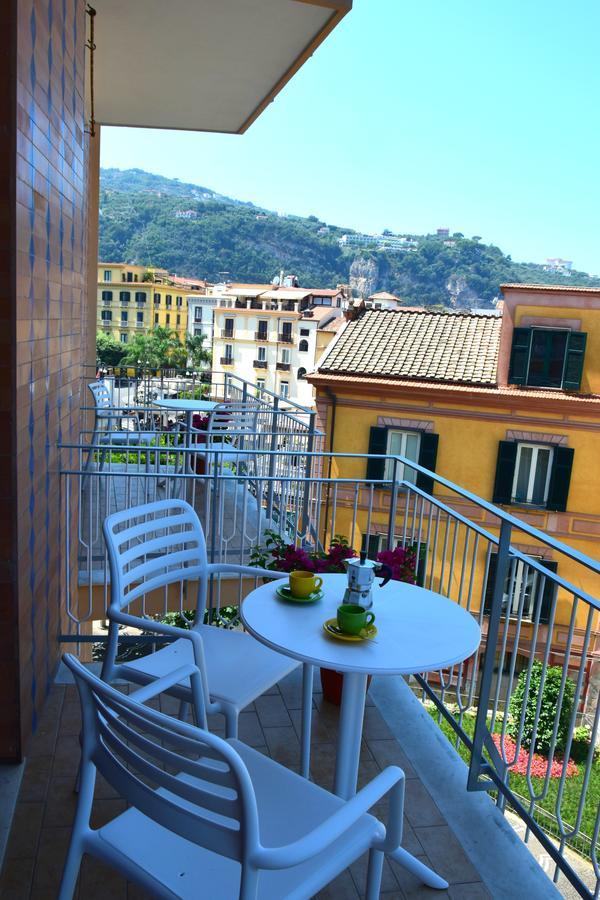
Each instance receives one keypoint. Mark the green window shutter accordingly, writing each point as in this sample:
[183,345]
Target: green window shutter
[549,592]
[370,543]
[519,356]
[574,360]
[505,472]
[489,585]
[560,478]
[377,444]
[427,458]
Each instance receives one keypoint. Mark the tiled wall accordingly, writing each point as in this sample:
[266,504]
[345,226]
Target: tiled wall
[47,317]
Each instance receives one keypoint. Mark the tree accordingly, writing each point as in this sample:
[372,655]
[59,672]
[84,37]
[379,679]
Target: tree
[142,352]
[169,349]
[198,355]
[109,352]
[549,708]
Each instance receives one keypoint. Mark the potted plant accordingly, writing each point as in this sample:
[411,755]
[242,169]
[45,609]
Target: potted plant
[280,556]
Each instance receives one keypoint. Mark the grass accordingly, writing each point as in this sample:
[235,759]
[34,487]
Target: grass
[573,787]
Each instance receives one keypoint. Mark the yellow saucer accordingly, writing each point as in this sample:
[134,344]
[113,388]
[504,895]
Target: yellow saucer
[332,628]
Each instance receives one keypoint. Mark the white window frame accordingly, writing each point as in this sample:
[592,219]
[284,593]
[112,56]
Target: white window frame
[228,351]
[107,275]
[403,473]
[286,355]
[123,337]
[106,315]
[530,484]
[262,354]
[261,383]
[284,389]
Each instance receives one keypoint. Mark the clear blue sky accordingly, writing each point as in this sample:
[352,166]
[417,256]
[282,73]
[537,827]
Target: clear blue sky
[479,116]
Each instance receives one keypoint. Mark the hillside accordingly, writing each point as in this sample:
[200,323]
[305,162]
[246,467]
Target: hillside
[191,230]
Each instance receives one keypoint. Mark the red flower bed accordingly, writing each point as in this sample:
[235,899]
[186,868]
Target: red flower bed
[539,766]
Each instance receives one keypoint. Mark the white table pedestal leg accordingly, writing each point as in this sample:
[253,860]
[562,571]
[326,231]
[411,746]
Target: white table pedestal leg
[350,734]
[307,689]
[346,771]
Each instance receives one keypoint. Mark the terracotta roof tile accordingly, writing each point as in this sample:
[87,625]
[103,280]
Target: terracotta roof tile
[461,348]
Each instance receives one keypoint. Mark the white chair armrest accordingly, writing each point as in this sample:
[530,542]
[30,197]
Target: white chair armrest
[156,687]
[161,628]
[390,780]
[253,571]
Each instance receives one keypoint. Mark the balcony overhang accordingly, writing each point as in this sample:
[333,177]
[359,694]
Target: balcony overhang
[201,65]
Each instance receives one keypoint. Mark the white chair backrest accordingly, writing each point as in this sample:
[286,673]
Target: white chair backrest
[102,398]
[152,546]
[136,749]
[238,422]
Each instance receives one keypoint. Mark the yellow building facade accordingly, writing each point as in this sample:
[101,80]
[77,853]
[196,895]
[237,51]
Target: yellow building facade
[136,299]
[506,407]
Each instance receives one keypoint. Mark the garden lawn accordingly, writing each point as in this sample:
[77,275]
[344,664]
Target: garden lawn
[519,784]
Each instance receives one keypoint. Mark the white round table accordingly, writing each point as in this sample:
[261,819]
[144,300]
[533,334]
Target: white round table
[417,631]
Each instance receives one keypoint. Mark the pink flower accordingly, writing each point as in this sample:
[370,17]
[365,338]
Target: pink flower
[539,766]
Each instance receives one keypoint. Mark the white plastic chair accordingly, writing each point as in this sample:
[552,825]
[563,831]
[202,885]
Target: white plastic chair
[214,818]
[233,432]
[160,544]
[106,431]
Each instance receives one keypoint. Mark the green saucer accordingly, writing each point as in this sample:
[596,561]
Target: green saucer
[284,593]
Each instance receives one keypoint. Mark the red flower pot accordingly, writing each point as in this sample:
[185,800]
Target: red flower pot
[332,683]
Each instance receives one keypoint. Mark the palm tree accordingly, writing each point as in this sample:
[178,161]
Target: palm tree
[198,355]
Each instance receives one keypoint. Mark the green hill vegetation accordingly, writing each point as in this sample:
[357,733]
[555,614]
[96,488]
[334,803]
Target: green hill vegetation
[190,230]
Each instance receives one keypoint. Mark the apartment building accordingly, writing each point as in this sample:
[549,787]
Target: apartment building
[513,411]
[133,299]
[273,336]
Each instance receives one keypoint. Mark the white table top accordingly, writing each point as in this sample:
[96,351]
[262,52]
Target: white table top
[181,405]
[418,630]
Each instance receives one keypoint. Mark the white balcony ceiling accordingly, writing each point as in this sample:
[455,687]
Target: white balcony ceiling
[201,65]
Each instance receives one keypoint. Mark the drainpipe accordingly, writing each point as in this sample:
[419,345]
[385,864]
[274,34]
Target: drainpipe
[332,397]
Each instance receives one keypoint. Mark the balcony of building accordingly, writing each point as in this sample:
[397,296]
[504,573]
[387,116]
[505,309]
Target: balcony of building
[261,336]
[465,818]
[260,363]
[283,366]
[285,337]
[226,360]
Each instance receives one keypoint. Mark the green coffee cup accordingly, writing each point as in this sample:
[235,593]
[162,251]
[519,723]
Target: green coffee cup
[353,619]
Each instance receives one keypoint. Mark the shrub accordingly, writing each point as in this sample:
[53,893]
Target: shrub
[549,708]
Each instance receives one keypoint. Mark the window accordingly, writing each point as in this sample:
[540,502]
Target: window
[286,330]
[523,584]
[545,357]
[381,443]
[179,301]
[124,337]
[285,355]
[322,301]
[532,474]
[106,315]
[157,299]
[260,384]
[229,352]
[197,332]
[284,389]
[262,354]
[301,374]
[304,332]
[178,319]
[107,275]
[107,296]
[538,474]
[263,329]
[168,319]
[129,276]
[229,327]
[156,318]
[124,316]
[140,318]
[198,314]
[140,296]
[124,296]
[303,346]
[168,299]
[402,443]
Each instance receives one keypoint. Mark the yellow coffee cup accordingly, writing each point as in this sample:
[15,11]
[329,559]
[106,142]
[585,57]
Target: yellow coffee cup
[302,584]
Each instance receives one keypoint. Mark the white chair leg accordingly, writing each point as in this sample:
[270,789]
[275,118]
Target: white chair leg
[231,723]
[307,690]
[374,871]
[71,870]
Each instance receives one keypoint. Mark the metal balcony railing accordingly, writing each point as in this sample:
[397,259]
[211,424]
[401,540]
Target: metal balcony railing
[227,333]
[260,364]
[227,360]
[285,338]
[261,336]
[283,366]
[283,481]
